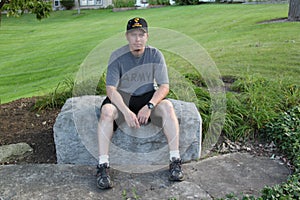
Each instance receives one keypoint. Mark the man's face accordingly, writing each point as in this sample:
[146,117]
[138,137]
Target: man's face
[137,40]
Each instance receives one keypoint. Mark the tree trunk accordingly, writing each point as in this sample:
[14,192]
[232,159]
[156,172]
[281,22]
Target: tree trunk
[78,9]
[2,2]
[294,10]
[1,5]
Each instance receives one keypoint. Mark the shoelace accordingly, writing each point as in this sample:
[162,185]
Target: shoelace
[175,166]
[102,172]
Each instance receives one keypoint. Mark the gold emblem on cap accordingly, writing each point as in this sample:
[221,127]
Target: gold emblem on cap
[136,24]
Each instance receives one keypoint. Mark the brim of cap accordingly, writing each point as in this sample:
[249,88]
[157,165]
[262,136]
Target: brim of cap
[133,29]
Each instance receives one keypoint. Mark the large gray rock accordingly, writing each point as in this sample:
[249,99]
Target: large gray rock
[75,135]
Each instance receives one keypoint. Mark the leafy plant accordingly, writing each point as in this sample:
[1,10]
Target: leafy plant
[67,89]
[57,98]
[16,8]
[159,2]
[285,132]
[236,120]
[187,2]
[123,3]
[255,101]
[68,4]
[203,99]
[289,190]
[125,195]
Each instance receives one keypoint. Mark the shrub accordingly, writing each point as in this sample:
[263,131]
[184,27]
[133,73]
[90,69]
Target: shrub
[285,132]
[67,89]
[159,2]
[68,4]
[187,2]
[203,99]
[123,3]
[237,123]
[287,190]
[254,102]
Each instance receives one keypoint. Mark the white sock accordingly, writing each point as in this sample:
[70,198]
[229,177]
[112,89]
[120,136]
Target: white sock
[174,154]
[103,159]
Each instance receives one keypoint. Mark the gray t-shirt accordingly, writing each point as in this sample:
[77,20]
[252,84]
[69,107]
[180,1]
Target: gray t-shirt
[136,75]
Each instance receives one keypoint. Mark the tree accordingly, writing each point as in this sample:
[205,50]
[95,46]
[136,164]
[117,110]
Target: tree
[16,8]
[294,10]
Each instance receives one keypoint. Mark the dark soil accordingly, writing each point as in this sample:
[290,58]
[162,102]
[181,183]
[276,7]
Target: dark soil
[20,123]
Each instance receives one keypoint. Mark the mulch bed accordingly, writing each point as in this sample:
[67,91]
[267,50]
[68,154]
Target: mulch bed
[20,123]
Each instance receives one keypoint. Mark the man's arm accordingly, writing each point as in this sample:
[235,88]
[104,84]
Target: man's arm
[160,94]
[117,100]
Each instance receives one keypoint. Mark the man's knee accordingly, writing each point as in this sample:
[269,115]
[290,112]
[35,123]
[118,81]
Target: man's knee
[166,107]
[108,112]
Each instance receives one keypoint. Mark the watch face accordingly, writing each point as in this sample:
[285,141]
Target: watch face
[150,106]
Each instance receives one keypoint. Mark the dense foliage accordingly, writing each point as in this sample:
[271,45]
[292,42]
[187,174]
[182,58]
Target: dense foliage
[186,2]
[159,2]
[16,8]
[68,4]
[123,3]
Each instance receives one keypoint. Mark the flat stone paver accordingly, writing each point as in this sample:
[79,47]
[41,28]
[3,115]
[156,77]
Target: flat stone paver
[206,179]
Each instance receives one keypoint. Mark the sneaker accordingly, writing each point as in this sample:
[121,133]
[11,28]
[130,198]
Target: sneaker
[176,173]
[103,178]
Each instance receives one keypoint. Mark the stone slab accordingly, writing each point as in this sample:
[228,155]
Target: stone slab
[206,179]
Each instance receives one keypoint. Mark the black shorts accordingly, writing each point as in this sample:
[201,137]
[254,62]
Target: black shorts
[134,103]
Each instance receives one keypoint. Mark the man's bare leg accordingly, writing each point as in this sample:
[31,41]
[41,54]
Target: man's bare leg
[105,127]
[170,123]
[105,131]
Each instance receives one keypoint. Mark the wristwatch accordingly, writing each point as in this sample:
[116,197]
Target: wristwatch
[150,106]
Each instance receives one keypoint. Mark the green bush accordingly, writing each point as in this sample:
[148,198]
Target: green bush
[68,4]
[289,190]
[203,99]
[186,2]
[159,2]
[251,103]
[237,122]
[67,89]
[123,3]
[285,132]
[254,102]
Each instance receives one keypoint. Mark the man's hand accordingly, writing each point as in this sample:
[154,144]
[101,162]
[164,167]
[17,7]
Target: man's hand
[131,119]
[144,115]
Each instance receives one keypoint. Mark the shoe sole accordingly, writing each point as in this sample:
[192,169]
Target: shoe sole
[105,187]
[176,179]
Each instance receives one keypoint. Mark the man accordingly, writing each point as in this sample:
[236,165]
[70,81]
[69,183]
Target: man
[136,85]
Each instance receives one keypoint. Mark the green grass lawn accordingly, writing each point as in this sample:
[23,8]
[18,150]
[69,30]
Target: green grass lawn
[36,55]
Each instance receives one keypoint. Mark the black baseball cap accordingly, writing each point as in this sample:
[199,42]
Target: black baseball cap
[137,23]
